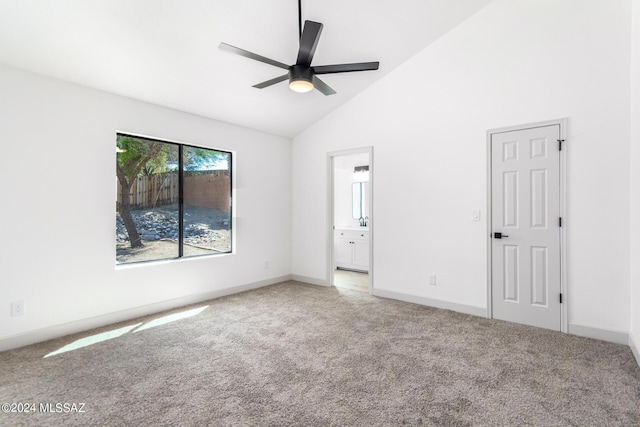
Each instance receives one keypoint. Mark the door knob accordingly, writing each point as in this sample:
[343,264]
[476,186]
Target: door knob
[499,235]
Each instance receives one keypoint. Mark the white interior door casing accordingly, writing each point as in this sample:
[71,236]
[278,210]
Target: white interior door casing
[352,252]
[525,205]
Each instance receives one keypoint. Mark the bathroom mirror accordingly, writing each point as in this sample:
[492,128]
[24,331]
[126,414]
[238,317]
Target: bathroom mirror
[359,199]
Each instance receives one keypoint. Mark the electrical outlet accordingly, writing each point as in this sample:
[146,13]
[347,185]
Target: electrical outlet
[432,280]
[266,265]
[17,308]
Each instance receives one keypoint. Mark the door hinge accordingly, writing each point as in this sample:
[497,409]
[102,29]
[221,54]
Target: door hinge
[560,222]
[560,298]
[560,141]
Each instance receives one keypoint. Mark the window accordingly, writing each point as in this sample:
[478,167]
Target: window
[173,200]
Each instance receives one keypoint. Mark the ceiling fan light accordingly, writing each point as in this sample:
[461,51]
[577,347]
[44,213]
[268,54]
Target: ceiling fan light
[300,78]
[301,86]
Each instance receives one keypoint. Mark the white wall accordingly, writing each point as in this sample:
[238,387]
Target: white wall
[343,209]
[635,181]
[58,205]
[343,188]
[511,63]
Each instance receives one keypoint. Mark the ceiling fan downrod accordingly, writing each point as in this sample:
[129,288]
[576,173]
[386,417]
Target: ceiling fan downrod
[299,19]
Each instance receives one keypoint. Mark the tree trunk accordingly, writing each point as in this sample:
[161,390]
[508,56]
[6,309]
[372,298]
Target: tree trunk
[133,166]
[124,209]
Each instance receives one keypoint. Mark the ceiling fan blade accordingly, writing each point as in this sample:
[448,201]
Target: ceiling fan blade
[346,68]
[322,86]
[308,42]
[252,55]
[271,82]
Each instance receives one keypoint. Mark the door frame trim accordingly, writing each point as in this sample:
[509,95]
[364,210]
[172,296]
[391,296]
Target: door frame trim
[562,124]
[330,209]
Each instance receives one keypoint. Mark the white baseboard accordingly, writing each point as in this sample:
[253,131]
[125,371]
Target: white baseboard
[618,337]
[56,331]
[309,280]
[635,347]
[460,308]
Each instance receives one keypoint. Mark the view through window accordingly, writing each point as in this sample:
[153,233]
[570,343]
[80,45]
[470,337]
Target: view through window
[173,200]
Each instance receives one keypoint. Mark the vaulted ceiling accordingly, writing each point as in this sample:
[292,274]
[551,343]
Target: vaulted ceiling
[166,52]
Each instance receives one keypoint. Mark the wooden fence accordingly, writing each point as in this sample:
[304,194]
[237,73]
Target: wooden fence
[210,189]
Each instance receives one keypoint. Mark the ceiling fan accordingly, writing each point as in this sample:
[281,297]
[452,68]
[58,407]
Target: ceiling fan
[302,76]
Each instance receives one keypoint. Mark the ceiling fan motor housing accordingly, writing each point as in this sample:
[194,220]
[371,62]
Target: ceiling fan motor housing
[299,72]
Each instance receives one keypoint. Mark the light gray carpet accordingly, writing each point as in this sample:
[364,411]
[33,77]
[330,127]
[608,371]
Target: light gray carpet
[293,354]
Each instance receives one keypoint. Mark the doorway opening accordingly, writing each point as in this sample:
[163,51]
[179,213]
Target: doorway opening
[350,204]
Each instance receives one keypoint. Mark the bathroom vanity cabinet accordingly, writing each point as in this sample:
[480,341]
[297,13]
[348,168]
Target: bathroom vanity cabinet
[351,249]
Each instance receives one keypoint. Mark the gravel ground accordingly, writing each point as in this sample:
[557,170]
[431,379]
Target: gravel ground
[206,231]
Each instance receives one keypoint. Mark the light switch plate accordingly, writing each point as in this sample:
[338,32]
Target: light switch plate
[475,214]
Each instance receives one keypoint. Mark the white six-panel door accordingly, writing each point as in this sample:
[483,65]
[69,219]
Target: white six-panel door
[525,187]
